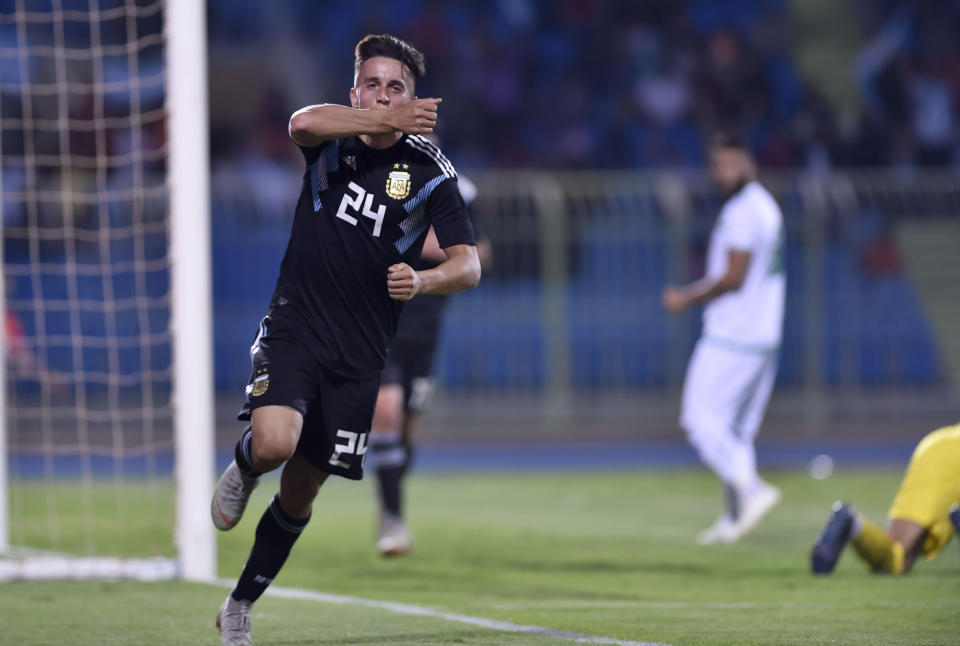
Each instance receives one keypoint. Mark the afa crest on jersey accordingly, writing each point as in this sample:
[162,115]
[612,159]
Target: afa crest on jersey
[260,383]
[398,183]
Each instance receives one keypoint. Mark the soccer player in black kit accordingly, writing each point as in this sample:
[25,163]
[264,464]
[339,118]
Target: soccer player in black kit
[406,391]
[373,186]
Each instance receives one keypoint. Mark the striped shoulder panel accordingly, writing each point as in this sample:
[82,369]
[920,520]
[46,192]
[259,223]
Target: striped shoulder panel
[430,149]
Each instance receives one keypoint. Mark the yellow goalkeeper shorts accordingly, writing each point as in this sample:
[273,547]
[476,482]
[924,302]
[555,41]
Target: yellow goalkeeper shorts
[930,486]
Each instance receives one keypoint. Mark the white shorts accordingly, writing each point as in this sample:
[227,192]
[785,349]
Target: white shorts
[727,388]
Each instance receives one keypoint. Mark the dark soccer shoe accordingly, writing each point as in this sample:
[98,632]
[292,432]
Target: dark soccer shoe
[955,517]
[834,537]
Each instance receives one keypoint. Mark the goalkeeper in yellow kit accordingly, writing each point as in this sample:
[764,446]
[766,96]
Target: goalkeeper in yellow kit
[922,519]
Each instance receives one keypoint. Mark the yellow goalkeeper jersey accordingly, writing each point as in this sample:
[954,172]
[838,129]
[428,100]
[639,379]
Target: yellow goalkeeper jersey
[930,486]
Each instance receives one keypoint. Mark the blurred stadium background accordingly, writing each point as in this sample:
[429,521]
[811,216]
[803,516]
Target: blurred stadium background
[583,124]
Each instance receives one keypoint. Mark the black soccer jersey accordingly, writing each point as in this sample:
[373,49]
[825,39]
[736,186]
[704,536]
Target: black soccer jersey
[361,210]
[421,318]
[420,322]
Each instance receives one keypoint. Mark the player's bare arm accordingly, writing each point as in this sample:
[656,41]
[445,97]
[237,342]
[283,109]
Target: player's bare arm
[432,251]
[910,535]
[431,248]
[460,271]
[312,125]
[677,299]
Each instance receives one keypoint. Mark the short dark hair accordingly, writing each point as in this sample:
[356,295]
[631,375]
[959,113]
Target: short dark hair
[729,139]
[389,46]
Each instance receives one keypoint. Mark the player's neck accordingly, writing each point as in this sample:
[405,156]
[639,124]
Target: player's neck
[381,142]
[736,188]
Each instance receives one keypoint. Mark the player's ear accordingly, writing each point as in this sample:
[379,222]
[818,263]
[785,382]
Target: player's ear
[353,98]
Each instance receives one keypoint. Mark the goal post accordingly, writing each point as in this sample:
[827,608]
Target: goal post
[106,376]
[192,294]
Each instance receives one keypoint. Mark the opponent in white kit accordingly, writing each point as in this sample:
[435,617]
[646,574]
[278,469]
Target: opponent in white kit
[734,364]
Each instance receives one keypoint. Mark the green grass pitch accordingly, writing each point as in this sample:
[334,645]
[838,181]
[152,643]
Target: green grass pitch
[606,554]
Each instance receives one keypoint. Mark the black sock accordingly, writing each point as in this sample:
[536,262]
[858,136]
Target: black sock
[408,458]
[733,502]
[391,459]
[391,490]
[276,534]
[242,454]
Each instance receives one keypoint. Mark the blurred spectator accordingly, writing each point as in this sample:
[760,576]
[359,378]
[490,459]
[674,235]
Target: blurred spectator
[614,83]
[932,110]
[260,156]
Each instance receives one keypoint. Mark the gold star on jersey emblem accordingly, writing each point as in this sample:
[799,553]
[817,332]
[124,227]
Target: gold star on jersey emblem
[396,166]
[406,166]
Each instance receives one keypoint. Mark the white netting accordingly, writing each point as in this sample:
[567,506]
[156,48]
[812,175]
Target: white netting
[85,236]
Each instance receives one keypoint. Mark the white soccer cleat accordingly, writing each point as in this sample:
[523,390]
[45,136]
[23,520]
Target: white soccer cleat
[724,530]
[395,539]
[233,621]
[231,496]
[755,506]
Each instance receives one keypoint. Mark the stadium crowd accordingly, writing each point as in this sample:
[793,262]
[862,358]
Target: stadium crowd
[613,83]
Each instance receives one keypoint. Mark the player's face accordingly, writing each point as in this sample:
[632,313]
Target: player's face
[382,84]
[730,167]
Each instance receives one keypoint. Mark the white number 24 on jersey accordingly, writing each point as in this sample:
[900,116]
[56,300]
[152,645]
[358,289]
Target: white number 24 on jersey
[354,203]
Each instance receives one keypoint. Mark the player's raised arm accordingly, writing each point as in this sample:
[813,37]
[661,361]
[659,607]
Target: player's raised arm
[314,124]
[460,271]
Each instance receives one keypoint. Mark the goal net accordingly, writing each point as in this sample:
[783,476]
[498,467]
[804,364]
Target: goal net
[92,486]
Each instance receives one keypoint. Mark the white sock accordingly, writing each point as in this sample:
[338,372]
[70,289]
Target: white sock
[857,526]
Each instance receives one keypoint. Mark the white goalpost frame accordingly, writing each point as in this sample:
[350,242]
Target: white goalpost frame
[191,323]
[188,180]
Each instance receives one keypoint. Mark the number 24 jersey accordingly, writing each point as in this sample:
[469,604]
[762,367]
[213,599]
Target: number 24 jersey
[361,210]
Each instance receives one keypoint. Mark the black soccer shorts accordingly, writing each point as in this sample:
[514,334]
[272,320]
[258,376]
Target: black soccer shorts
[410,366]
[337,412]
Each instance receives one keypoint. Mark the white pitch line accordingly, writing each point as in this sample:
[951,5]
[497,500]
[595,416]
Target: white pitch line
[423,611]
[719,605]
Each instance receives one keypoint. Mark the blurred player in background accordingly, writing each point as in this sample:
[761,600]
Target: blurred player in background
[22,360]
[734,364]
[406,391]
[919,518]
[372,188]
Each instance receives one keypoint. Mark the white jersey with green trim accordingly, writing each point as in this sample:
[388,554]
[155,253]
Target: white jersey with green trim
[752,316]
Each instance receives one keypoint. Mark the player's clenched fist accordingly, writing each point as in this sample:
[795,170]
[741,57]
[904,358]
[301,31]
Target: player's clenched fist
[403,282]
[675,299]
[419,117]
